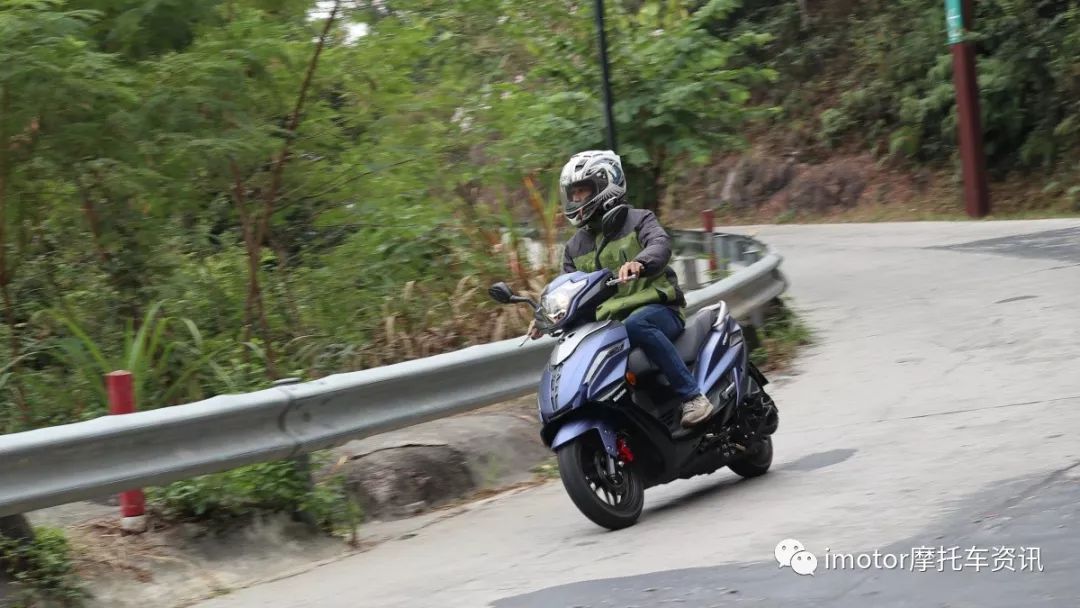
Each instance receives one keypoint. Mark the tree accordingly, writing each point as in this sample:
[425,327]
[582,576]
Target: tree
[54,92]
[681,93]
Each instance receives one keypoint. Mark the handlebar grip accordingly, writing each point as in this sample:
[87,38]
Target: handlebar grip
[616,281]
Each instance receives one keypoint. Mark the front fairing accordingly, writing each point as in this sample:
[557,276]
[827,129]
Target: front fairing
[589,360]
[582,306]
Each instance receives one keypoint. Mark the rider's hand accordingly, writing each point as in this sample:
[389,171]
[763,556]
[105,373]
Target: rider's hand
[630,269]
[534,332]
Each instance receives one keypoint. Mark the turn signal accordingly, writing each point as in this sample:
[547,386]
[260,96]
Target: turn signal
[631,378]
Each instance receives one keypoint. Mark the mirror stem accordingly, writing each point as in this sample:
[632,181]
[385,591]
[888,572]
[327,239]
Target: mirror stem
[530,301]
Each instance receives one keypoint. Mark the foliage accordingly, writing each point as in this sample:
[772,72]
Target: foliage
[882,72]
[779,338]
[214,194]
[220,193]
[152,353]
[273,487]
[548,469]
[681,93]
[42,570]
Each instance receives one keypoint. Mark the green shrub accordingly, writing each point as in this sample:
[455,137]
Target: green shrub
[779,338]
[272,487]
[881,73]
[41,570]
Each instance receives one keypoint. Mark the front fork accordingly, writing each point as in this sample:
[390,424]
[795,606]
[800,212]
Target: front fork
[616,448]
[613,465]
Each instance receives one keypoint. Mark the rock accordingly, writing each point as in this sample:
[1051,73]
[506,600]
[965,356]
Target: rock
[16,527]
[822,187]
[399,474]
[754,179]
[395,482]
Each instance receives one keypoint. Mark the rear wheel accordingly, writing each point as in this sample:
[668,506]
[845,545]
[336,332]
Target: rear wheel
[612,501]
[757,462]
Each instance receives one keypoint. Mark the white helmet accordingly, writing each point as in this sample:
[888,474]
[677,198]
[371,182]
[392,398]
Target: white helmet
[599,169]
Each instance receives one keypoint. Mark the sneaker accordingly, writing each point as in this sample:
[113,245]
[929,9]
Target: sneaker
[696,411]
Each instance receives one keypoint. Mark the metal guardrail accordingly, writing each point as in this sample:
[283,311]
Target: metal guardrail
[728,251]
[691,249]
[71,462]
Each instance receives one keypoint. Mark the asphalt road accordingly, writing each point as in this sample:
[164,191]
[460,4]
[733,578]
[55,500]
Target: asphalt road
[936,417]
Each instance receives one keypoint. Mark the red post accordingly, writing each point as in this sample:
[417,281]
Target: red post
[973,158]
[121,389]
[707,219]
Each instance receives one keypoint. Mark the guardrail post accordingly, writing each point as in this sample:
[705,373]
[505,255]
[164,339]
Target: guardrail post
[754,252]
[721,247]
[757,317]
[14,528]
[737,248]
[121,389]
[690,273]
[302,466]
[707,220]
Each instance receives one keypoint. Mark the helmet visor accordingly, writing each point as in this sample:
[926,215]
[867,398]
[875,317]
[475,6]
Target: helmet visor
[579,194]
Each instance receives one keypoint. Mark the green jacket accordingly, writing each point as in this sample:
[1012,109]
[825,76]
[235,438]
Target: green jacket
[641,239]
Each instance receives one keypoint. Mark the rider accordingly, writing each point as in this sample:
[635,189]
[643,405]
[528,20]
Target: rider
[591,183]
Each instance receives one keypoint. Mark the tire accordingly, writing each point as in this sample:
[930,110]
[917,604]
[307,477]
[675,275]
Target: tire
[757,463]
[578,471]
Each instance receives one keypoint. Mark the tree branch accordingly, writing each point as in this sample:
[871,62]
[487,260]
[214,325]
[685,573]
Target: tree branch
[28,137]
[92,219]
[7,276]
[341,181]
[270,198]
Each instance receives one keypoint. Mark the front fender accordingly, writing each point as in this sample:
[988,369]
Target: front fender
[576,428]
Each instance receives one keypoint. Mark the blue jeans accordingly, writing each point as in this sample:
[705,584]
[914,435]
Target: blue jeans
[653,328]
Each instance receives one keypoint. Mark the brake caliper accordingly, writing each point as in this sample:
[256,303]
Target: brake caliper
[624,450]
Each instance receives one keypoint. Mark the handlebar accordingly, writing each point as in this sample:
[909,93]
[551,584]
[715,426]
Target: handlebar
[609,283]
[616,280]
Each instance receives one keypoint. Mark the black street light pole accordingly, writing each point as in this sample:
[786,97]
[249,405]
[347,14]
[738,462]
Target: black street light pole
[605,73]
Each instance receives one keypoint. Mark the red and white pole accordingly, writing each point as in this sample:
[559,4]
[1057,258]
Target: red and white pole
[121,389]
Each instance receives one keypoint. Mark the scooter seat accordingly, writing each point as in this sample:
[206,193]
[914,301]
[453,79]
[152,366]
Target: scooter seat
[688,343]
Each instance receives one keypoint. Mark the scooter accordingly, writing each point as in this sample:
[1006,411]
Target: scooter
[610,415]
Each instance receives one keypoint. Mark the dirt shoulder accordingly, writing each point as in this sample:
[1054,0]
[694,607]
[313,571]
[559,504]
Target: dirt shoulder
[773,185]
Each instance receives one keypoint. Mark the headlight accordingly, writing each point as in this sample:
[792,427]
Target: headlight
[555,303]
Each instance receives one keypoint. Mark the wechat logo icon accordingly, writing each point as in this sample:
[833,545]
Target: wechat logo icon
[790,552]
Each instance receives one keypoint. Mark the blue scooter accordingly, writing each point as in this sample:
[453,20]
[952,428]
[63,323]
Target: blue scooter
[609,413]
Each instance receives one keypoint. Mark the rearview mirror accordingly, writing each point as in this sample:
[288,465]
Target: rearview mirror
[501,293]
[613,221]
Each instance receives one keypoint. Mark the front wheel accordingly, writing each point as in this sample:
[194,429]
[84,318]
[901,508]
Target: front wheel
[756,463]
[611,501]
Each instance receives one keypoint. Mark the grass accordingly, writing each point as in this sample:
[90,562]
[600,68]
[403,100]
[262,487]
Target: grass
[222,500]
[42,571]
[781,337]
[549,469]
